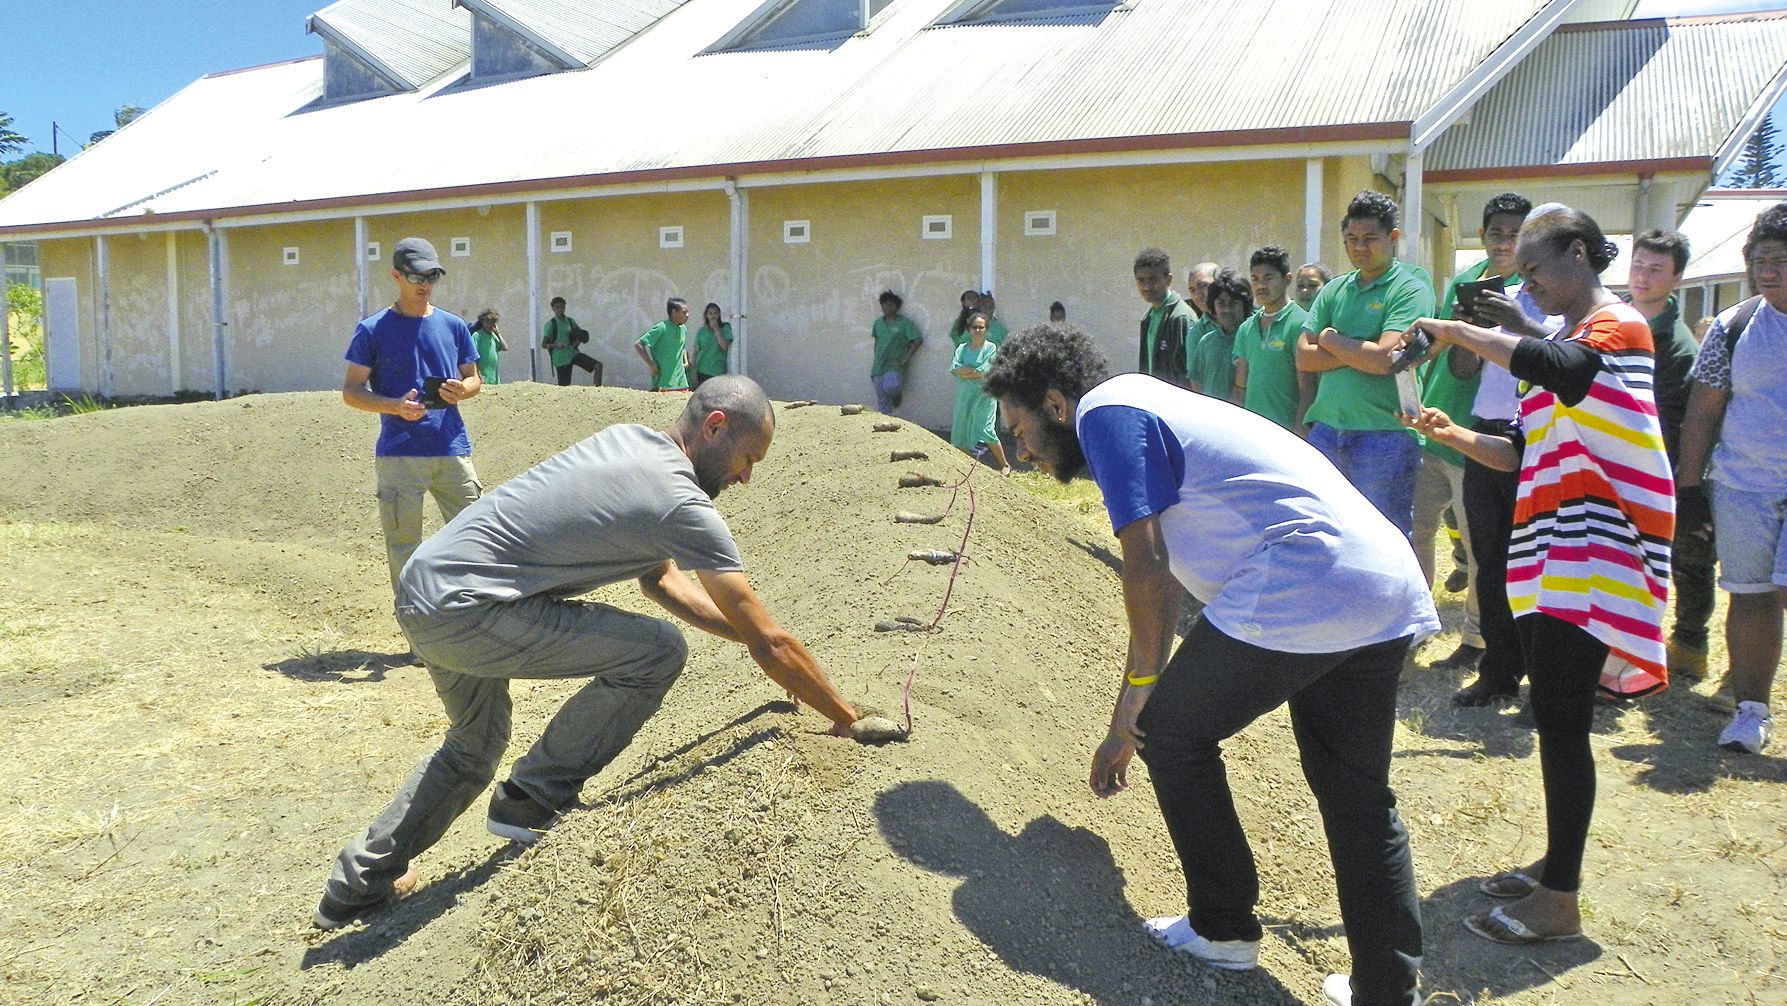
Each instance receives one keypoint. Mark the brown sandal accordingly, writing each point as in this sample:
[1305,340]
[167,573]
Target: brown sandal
[1509,884]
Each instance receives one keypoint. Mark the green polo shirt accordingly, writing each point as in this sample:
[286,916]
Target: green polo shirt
[1439,388]
[559,330]
[666,343]
[1211,363]
[892,338]
[996,331]
[1272,363]
[1352,400]
[710,359]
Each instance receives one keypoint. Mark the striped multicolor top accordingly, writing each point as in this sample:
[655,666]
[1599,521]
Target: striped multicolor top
[1596,508]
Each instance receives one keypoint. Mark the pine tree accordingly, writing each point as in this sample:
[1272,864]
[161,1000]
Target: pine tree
[10,142]
[1759,167]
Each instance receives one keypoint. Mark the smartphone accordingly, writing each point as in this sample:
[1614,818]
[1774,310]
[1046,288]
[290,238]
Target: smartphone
[1467,294]
[431,393]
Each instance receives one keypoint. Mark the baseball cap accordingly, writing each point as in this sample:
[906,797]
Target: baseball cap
[416,255]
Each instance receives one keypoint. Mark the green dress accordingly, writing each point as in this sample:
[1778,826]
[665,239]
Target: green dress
[710,359]
[976,411]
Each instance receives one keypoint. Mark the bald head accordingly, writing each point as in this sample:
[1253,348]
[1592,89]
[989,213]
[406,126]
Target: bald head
[739,398]
[1197,285]
[725,430]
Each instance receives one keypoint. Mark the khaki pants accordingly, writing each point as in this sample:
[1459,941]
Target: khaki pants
[402,482]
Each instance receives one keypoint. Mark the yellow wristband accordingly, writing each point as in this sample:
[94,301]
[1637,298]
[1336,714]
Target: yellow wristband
[1139,682]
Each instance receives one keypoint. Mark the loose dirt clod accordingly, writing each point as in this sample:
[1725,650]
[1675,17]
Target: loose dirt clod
[849,410]
[934,556]
[908,517]
[876,730]
[913,480]
[908,456]
[903,623]
[885,427]
[801,404]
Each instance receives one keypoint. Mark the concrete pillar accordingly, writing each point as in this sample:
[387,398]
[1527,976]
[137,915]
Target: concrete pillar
[103,296]
[1312,210]
[1414,214]
[173,313]
[989,230]
[534,320]
[363,295]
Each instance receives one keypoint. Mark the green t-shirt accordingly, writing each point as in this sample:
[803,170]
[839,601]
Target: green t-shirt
[1352,400]
[1211,362]
[485,343]
[666,343]
[559,330]
[892,338]
[710,359]
[1201,325]
[1440,389]
[1272,364]
[996,331]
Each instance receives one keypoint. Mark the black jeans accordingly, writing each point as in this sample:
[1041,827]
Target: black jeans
[1343,713]
[585,361]
[1489,508]
[1564,664]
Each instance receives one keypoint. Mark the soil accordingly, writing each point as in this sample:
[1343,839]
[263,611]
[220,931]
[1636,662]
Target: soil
[204,696]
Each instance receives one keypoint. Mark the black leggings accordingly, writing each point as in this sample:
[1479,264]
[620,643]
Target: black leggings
[1563,666]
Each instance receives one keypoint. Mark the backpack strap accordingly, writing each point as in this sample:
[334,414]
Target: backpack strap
[1739,322]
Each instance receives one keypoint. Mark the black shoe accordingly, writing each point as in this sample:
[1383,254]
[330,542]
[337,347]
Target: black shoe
[516,816]
[1462,659]
[1457,580]
[1483,692]
[333,914]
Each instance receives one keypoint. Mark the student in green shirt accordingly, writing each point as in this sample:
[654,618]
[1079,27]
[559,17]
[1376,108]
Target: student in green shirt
[895,339]
[958,329]
[555,338]
[1210,364]
[1349,339]
[996,330]
[1311,277]
[712,344]
[488,342]
[664,347]
[1167,325]
[1266,345]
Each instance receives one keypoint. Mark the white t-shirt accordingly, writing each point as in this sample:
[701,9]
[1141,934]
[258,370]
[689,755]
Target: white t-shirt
[1751,454]
[1498,393]
[1258,525]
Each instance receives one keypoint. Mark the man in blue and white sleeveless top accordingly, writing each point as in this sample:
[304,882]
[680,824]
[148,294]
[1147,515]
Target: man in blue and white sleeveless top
[1312,597]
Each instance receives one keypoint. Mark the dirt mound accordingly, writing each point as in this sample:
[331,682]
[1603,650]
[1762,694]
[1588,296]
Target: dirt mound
[197,654]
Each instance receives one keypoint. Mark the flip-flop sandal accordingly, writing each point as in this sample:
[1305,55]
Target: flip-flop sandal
[1509,884]
[1498,926]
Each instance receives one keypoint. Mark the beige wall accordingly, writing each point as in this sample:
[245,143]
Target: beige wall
[290,324]
[615,279]
[493,275]
[812,304]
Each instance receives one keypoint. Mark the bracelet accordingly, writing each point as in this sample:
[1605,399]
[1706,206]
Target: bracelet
[1140,682]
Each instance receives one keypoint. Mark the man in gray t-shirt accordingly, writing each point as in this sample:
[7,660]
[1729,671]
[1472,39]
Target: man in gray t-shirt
[485,600]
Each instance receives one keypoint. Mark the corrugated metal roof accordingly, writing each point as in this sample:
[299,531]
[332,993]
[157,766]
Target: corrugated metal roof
[1658,90]
[1716,229]
[418,39]
[1156,73]
[588,31]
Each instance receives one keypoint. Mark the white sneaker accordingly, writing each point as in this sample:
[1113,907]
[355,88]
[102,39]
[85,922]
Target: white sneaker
[1749,730]
[1338,990]
[1175,933]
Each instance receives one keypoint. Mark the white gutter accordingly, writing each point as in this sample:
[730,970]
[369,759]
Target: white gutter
[740,204]
[218,246]
[173,314]
[989,230]
[362,295]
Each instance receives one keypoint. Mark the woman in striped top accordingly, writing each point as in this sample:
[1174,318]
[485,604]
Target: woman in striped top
[1588,564]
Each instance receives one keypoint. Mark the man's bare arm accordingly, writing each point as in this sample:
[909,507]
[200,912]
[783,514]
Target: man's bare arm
[685,599]
[355,393]
[1312,358]
[784,659]
[1364,355]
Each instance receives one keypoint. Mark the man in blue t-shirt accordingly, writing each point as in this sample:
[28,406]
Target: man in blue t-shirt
[1311,596]
[413,363]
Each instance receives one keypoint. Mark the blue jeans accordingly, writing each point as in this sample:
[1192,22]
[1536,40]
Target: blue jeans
[1381,464]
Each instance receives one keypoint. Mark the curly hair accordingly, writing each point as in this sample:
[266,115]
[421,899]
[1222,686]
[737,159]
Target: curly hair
[1508,203]
[1046,356]
[1556,225]
[1274,256]
[1771,225]
[1370,205]
[889,295]
[1154,260]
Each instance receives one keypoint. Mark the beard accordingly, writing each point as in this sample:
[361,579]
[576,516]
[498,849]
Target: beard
[710,472]
[1061,445]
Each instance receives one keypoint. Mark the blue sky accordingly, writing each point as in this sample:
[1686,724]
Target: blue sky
[75,61]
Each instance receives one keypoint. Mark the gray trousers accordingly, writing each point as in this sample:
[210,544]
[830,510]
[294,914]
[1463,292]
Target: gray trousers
[632,660]
[402,482]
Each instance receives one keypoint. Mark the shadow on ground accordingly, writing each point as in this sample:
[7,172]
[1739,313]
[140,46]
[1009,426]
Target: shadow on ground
[391,927]
[1049,901]
[346,667]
